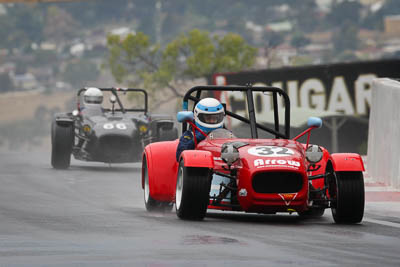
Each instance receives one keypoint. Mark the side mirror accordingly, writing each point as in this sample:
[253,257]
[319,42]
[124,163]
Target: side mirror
[113,99]
[183,116]
[314,122]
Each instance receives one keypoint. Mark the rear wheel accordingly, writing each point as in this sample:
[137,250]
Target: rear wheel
[150,203]
[192,192]
[62,139]
[346,190]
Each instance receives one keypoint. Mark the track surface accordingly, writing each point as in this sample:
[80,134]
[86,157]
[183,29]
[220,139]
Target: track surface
[93,215]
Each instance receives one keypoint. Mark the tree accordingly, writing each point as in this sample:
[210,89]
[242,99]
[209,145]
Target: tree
[23,25]
[346,38]
[299,40]
[59,24]
[344,12]
[80,73]
[196,54]
[374,20]
[306,15]
[273,39]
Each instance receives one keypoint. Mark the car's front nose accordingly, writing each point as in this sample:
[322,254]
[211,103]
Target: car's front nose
[273,191]
[114,144]
[117,142]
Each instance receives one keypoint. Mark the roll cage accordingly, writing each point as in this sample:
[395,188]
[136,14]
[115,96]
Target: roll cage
[195,95]
[115,91]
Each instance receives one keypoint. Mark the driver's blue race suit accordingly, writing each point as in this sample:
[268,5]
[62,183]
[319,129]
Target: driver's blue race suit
[187,142]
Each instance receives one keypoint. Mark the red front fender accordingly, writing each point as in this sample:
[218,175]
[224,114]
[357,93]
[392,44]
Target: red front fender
[347,162]
[162,168]
[198,158]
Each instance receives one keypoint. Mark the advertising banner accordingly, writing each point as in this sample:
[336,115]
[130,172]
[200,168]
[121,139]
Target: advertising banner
[342,87]
[339,93]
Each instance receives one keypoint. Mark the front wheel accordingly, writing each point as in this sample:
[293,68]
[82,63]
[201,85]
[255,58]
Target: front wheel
[62,139]
[192,192]
[150,203]
[347,197]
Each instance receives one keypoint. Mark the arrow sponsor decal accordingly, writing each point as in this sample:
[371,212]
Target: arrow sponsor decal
[288,198]
[276,163]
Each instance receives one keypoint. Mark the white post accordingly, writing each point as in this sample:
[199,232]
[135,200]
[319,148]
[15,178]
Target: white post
[383,160]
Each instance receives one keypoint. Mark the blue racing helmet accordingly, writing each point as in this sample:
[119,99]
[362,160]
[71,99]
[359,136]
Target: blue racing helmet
[209,114]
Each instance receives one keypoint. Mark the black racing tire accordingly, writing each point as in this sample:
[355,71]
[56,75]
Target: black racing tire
[192,192]
[348,197]
[150,203]
[167,134]
[62,140]
[313,212]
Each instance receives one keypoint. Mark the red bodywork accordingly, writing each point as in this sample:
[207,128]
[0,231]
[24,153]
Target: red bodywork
[271,175]
[162,170]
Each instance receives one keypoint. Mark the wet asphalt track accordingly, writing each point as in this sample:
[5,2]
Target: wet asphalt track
[93,215]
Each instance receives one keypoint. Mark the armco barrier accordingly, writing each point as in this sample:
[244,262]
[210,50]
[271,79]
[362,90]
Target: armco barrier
[384,132]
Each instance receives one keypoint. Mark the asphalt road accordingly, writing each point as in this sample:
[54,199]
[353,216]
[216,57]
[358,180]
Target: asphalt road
[93,215]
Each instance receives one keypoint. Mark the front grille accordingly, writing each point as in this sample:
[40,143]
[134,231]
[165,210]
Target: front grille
[277,182]
[115,144]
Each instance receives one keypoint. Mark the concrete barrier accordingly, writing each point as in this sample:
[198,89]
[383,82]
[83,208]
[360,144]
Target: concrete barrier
[384,132]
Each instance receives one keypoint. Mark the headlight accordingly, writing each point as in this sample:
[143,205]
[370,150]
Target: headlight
[314,153]
[229,153]
[143,128]
[86,128]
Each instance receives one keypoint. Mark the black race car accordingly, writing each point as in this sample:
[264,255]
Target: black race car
[108,132]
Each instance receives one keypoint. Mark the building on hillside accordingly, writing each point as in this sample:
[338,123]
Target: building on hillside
[283,26]
[322,38]
[285,53]
[7,67]
[392,26]
[26,81]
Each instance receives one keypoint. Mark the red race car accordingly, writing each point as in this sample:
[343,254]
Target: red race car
[260,175]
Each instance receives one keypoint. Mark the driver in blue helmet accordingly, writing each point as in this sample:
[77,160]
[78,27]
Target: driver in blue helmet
[209,115]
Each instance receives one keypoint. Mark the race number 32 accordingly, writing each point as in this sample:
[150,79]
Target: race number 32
[270,151]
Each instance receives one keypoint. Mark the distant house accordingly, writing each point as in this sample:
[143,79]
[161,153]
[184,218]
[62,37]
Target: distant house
[77,49]
[285,52]
[322,38]
[391,48]
[369,37]
[316,51]
[25,81]
[392,25]
[48,46]
[43,74]
[284,26]
[122,31]
[7,67]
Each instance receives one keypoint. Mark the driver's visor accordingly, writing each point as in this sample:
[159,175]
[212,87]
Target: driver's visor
[211,118]
[93,99]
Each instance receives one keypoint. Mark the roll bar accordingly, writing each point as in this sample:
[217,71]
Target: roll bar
[115,91]
[248,90]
